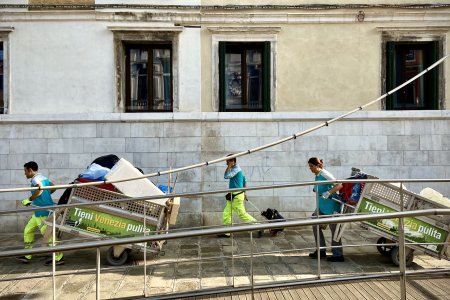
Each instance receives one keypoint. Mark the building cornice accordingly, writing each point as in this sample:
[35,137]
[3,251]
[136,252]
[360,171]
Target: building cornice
[221,117]
[228,7]
[241,17]
[434,29]
[243,29]
[6,29]
[145,28]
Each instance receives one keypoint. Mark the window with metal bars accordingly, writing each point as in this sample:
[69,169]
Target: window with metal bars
[149,78]
[244,76]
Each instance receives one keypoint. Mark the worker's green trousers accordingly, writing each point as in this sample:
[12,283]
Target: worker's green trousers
[28,234]
[236,206]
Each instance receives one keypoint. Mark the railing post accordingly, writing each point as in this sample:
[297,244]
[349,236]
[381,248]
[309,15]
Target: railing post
[318,234]
[53,253]
[97,288]
[145,249]
[232,242]
[401,246]
[251,265]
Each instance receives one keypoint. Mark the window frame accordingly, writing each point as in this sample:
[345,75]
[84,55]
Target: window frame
[149,47]
[242,47]
[141,35]
[400,34]
[243,34]
[431,84]
[4,39]
[2,76]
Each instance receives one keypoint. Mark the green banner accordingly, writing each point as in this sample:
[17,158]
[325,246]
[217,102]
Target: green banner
[415,230]
[104,224]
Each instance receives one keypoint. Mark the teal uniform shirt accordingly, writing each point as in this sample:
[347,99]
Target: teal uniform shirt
[237,178]
[45,199]
[326,206]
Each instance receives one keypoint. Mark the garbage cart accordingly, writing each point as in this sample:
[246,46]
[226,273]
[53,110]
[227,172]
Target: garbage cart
[118,219]
[115,220]
[422,233]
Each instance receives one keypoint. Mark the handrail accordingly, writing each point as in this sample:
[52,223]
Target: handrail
[77,185]
[231,229]
[235,228]
[220,191]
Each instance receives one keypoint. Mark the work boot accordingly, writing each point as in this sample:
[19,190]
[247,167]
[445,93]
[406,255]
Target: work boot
[339,258]
[223,235]
[49,262]
[313,255]
[23,259]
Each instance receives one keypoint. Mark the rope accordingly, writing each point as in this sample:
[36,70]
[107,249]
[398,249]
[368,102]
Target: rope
[246,152]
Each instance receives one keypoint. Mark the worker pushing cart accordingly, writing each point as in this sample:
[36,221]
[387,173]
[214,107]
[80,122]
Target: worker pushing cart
[119,219]
[428,234]
[38,198]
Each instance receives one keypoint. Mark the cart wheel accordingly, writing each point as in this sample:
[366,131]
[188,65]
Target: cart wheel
[117,261]
[384,250]
[395,256]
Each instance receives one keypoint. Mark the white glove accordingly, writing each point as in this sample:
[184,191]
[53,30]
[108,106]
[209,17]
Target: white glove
[325,195]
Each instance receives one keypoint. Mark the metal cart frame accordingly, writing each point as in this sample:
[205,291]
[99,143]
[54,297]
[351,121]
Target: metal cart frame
[422,233]
[112,220]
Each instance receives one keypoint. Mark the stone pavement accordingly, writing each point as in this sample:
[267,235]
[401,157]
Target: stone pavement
[180,270]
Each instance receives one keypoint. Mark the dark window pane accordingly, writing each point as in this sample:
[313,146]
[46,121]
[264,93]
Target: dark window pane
[233,89]
[242,76]
[403,62]
[149,78]
[162,89]
[2,103]
[408,63]
[138,80]
[254,79]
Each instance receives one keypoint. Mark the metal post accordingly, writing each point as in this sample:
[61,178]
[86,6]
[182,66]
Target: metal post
[98,276]
[53,253]
[401,246]
[251,265]
[145,250]
[318,233]
[232,242]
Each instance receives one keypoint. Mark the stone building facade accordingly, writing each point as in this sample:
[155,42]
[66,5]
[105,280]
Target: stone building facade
[225,77]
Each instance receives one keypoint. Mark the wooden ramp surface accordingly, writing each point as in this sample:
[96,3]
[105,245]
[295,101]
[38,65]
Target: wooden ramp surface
[418,288]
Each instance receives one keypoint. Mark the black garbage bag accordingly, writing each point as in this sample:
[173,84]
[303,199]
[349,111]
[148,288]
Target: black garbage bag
[65,196]
[107,161]
[273,215]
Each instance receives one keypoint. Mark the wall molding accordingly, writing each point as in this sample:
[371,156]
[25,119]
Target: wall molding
[232,17]
[223,117]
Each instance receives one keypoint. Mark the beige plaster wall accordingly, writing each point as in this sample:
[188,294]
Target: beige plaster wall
[331,67]
[207,75]
[327,66]
[303,2]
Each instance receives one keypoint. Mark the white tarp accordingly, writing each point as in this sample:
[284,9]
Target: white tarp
[435,196]
[136,188]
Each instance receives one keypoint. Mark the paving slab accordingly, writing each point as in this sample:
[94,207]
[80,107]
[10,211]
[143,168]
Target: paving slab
[182,268]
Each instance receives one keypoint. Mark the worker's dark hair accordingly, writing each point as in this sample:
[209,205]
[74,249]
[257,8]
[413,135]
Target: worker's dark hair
[31,165]
[231,159]
[316,162]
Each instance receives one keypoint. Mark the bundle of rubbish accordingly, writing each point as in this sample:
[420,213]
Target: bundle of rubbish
[351,192]
[111,167]
[435,197]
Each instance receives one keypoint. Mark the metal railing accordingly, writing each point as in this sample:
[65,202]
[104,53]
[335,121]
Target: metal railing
[236,228]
